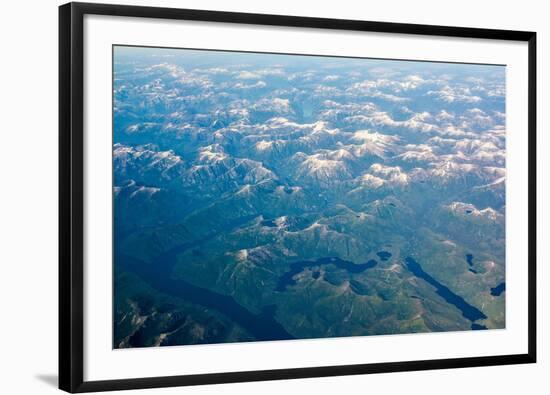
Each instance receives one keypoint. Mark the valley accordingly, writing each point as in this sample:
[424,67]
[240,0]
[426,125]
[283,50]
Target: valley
[275,197]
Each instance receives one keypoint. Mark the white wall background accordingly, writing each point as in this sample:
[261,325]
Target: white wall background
[28,194]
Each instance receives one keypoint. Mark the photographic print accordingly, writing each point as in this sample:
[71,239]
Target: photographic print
[262,197]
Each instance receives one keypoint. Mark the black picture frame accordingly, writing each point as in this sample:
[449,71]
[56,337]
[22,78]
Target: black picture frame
[71,195]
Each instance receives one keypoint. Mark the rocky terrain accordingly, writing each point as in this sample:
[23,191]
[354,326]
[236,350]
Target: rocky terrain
[263,197]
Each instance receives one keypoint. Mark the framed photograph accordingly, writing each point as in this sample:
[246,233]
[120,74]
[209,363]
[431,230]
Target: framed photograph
[253,197]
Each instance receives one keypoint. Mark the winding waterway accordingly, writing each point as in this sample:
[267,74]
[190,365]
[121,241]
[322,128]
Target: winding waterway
[157,274]
[287,279]
[263,326]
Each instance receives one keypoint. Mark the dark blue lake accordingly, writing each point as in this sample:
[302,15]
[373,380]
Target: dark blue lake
[287,280]
[468,311]
[384,255]
[269,223]
[499,289]
[478,327]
